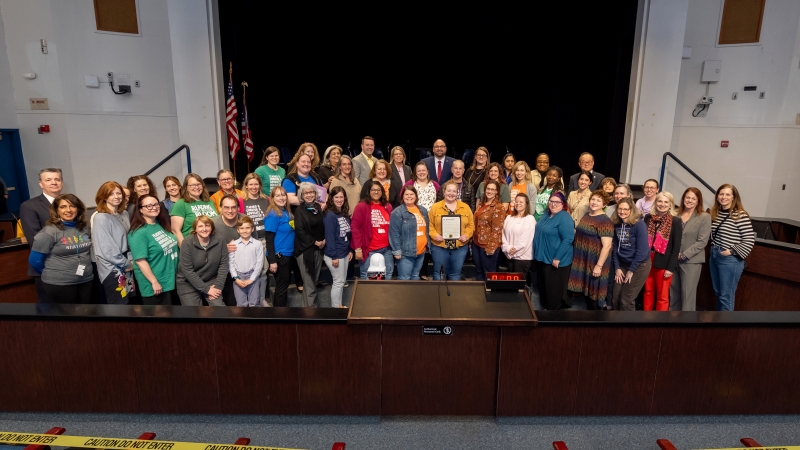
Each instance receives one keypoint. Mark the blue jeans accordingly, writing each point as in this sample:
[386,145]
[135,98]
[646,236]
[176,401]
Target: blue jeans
[725,273]
[388,259]
[408,267]
[452,260]
[483,262]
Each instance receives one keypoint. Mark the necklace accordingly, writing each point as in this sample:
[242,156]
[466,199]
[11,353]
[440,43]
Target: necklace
[477,172]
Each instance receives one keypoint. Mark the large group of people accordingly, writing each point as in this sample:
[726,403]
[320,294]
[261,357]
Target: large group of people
[366,215]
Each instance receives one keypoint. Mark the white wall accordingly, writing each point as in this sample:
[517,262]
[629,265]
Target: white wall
[96,135]
[764,140]
[8,117]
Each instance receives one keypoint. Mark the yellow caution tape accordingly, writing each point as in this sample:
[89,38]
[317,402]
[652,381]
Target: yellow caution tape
[117,443]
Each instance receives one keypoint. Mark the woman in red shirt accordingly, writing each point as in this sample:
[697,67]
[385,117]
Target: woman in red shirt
[370,228]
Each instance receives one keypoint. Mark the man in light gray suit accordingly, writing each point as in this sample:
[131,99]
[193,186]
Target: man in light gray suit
[363,162]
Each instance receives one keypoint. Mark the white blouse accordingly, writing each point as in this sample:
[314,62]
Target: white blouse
[518,234]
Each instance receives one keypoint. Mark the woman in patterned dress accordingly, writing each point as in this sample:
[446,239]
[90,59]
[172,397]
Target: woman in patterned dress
[591,261]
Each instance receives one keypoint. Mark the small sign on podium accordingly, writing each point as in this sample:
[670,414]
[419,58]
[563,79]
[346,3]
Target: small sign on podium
[443,330]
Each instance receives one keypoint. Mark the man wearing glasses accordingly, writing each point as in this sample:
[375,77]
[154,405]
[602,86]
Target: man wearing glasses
[225,181]
[225,227]
[585,162]
[439,165]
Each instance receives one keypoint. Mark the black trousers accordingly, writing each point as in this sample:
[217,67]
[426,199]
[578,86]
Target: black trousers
[73,293]
[41,294]
[227,292]
[164,298]
[282,278]
[553,285]
[521,266]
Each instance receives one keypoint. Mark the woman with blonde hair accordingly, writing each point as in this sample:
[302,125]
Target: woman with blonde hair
[732,239]
[345,178]
[664,234]
[630,253]
[401,172]
[279,236]
[110,228]
[309,149]
[521,183]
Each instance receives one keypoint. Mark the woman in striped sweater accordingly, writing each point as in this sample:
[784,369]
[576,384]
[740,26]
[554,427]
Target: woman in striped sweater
[732,238]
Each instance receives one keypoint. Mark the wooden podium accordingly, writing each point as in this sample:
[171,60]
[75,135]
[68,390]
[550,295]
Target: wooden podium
[439,353]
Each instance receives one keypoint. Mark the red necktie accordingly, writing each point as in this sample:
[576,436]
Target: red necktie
[439,172]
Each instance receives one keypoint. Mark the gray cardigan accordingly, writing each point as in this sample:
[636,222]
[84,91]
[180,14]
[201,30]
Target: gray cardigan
[695,238]
[203,268]
[110,243]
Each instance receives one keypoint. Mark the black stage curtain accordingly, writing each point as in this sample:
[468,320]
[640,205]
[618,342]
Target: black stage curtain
[555,81]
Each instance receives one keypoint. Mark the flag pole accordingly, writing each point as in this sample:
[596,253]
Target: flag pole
[230,78]
[244,103]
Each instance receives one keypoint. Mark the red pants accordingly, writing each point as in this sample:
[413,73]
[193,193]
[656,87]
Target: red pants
[656,288]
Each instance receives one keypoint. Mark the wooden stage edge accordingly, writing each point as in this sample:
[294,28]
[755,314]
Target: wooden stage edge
[286,361]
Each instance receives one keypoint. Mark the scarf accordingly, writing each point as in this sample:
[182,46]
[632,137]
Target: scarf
[658,231]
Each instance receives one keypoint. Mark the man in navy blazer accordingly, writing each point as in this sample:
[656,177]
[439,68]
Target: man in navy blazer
[35,213]
[437,161]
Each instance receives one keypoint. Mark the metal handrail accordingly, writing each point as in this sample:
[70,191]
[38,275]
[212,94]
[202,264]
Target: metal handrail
[177,150]
[664,167]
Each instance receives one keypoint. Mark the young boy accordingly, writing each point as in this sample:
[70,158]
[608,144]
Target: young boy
[246,264]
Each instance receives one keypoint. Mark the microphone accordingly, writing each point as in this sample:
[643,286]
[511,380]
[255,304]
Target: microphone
[444,277]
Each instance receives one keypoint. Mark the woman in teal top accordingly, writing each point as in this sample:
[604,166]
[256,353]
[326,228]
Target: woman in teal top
[271,174]
[194,202]
[552,252]
[553,183]
[155,251]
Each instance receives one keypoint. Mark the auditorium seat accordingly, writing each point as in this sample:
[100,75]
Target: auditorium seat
[469,155]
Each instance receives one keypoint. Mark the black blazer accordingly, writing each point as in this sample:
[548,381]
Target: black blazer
[396,181]
[669,260]
[394,191]
[34,214]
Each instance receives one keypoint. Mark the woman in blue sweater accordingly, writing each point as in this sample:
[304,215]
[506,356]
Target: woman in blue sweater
[552,252]
[337,241]
[631,253]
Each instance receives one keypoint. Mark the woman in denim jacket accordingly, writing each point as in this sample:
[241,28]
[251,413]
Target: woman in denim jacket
[408,235]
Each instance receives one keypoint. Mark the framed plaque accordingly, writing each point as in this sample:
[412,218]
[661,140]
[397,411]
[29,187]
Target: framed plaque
[451,226]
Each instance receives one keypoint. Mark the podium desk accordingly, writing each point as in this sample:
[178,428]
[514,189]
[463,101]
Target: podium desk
[428,303]
[454,369]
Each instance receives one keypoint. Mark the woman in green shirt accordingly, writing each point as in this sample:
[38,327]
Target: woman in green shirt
[154,250]
[194,202]
[553,183]
[271,174]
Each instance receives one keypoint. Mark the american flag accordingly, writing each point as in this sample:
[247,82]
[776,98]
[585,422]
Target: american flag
[230,121]
[247,133]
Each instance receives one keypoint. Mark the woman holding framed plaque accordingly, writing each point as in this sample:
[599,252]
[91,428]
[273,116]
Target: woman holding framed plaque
[451,227]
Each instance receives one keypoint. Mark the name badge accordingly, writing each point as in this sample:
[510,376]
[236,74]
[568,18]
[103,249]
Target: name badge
[81,268]
[381,231]
[420,233]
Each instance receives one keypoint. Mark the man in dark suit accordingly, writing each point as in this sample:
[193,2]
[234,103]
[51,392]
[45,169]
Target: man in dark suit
[35,213]
[439,165]
[585,162]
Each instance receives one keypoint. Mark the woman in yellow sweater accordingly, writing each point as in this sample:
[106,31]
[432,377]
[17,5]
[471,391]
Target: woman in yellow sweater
[449,251]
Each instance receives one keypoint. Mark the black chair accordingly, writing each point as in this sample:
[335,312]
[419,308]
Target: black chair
[286,155]
[378,153]
[424,152]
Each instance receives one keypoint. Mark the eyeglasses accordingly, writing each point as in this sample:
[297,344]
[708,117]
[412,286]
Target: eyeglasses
[439,146]
[230,208]
[555,202]
[224,180]
[151,206]
[376,190]
[194,185]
